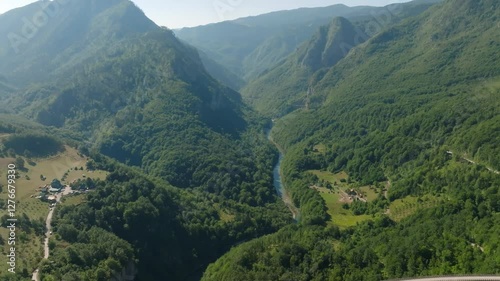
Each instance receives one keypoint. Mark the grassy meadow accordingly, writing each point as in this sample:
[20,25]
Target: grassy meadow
[67,167]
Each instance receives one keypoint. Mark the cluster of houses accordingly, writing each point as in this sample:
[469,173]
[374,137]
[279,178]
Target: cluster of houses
[49,191]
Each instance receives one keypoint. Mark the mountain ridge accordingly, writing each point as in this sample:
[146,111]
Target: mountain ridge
[390,117]
[279,34]
[180,147]
[22,55]
[389,134]
[326,48]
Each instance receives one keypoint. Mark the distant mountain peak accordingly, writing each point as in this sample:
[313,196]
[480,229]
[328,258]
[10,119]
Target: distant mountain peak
[47,35]
[331,43]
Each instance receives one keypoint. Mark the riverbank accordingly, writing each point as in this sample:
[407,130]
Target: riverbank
[279,186]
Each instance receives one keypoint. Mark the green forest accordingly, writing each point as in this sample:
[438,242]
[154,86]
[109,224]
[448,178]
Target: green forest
[385,140]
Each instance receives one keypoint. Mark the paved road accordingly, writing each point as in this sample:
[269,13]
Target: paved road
[457,278]
[48,225]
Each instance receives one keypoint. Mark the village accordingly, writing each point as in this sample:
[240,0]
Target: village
[49,192]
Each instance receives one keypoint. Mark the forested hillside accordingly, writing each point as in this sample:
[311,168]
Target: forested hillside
[104,78]
[158,110]
[68,33]
[247,47]
[171,233]
[387,118]
[221,73]
[289,85]
[413,113]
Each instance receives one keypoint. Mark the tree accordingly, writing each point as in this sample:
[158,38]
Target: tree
[52,244]
[20,163]
[48,278]
[56,184]
[27,153]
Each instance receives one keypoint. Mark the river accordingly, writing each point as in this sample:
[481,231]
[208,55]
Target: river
[278,183]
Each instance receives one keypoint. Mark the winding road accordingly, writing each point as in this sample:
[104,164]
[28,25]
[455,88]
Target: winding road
[473,162]
[48,225]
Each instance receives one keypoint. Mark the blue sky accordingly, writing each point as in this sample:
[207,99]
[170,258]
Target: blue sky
[183,13]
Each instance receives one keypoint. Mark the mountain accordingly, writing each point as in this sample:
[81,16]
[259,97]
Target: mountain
[412,114]
[388,124]
[103,77]
[45,43]
[249,46]
[114,86]
[222,74]
[287,85]
[5,87]
[405,93]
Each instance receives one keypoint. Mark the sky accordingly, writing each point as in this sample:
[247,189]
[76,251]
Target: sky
[187,13]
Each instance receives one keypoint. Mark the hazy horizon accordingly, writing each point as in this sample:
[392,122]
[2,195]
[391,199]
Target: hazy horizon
[191,13]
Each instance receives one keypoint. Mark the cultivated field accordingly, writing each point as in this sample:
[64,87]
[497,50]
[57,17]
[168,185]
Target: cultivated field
[339,216]
[336,197]
[37,173]
[402,208]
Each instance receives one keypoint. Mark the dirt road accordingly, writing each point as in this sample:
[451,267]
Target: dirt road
[48,225]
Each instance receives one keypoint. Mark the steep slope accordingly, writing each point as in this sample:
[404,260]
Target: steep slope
[173,233]
[219,72]
[5,87]
[412,81]
[49,38]
[287,86]
[228,43]
[414,110]
[249,46]
[132,91]
[138,106]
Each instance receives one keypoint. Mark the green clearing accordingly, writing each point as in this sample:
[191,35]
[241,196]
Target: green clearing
[32,207]
[334,200]
[73,199]
[402,208]
[320,148]
[74,175]
[29,250]
[224,215]
[29,182]
[339,216]
[334,179]
[369,192]
[51,168]
[30,246]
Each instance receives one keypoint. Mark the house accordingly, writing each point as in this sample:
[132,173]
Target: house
[54,190]
[52,199]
